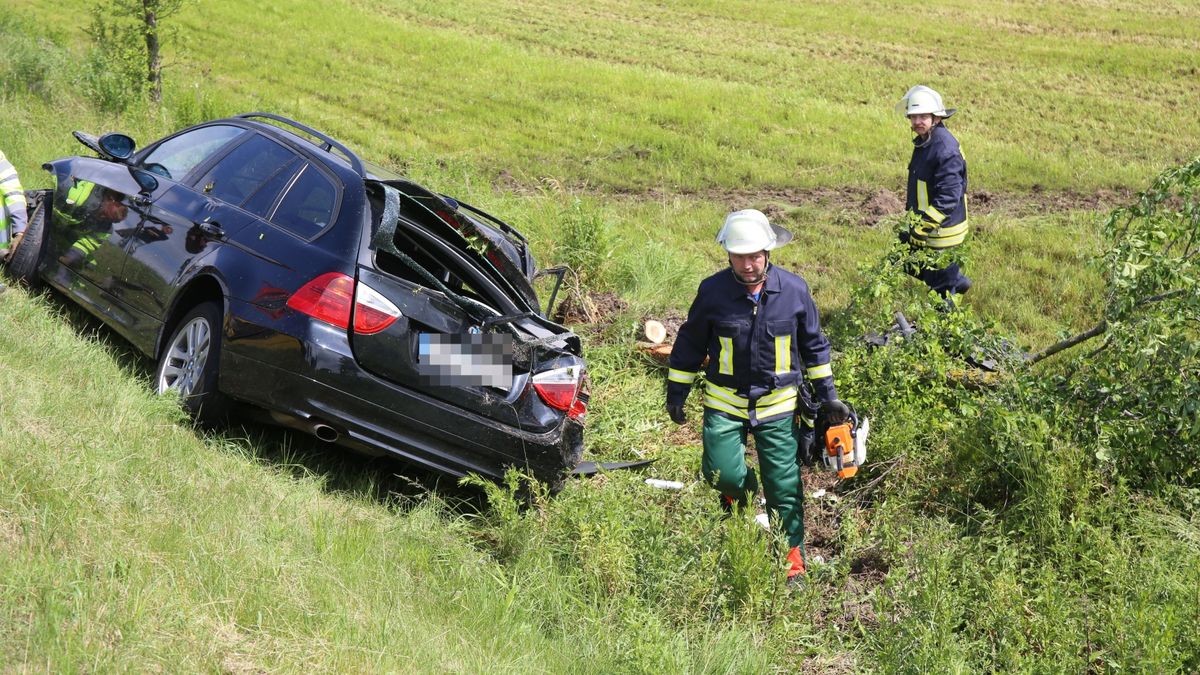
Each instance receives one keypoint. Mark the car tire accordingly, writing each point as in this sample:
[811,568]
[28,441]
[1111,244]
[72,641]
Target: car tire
[190,364]
[23,265]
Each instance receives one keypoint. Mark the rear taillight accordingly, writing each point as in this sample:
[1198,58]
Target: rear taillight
[372,311]
[564,389]
[333,296]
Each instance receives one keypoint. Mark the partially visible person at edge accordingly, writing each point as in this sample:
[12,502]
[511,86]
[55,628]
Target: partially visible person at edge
[937,189]
[12,210]
[759,328]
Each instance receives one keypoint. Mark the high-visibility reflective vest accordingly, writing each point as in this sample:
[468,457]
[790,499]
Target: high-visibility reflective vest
[12,203]
[760,352]
[937,188]
[70,211]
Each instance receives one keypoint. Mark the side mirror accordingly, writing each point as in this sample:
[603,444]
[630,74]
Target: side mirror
[117,146]
[157,169]
[145,180]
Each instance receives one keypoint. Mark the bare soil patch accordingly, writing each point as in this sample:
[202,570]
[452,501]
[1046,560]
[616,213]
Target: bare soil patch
[596,309]
[865,205]
[873,204]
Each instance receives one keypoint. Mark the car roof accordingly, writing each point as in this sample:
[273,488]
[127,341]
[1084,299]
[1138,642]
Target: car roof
[333,151]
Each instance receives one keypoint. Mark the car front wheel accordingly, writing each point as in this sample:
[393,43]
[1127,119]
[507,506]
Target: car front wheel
[28,254]
[190,362]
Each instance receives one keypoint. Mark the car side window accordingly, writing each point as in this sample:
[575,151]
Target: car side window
[265,197]
[309,205]
[182,153]
[237,175]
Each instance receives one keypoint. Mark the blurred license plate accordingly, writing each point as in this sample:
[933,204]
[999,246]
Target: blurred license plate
[465,359]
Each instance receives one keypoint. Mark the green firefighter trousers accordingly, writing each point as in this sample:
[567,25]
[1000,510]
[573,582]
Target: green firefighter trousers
[724,467]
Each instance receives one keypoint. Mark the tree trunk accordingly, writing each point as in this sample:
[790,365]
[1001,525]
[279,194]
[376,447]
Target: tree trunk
[153,58]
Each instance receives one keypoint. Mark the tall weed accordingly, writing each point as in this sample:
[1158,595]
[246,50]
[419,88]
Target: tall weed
[586,244]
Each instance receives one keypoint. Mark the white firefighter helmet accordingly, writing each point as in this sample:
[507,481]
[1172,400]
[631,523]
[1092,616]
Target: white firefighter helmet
[749,231]
[921,99]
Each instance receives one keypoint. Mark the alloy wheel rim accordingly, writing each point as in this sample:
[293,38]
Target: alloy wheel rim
[186,357]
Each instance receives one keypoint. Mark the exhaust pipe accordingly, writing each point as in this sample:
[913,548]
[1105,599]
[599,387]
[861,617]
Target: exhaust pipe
[310,425]
[325,432]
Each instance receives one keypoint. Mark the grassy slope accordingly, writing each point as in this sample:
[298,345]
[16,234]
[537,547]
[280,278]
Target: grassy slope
[127,543]
[711,105]
[692,96]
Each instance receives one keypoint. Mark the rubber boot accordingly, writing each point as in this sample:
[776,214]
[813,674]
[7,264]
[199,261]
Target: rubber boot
[730,504]
[796,569]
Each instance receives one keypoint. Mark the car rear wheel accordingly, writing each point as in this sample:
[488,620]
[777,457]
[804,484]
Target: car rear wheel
[24,261]
[190,362]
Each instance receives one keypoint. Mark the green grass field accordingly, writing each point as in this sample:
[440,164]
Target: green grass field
[985,537]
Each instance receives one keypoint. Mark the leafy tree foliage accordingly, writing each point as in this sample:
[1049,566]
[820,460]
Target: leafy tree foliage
[1138,394]
[127,60]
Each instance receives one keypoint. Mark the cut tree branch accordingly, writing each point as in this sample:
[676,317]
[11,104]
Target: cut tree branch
[1098,329]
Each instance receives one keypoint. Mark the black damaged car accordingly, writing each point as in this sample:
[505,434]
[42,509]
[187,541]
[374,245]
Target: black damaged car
[268,270]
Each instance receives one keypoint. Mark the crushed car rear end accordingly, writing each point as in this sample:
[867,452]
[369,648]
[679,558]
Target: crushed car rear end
[434,349]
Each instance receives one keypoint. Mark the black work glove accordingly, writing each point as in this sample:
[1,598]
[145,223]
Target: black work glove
[807,449]
[832,413]
[676,413]
[829,414]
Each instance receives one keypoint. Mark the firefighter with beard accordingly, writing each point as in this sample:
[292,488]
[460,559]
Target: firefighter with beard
[937,190]
[759,328]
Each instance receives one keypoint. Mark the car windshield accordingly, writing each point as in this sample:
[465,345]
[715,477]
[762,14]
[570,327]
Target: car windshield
[180,154]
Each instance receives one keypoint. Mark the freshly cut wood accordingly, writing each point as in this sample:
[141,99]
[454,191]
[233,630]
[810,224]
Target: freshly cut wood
[658,352]
[654,331]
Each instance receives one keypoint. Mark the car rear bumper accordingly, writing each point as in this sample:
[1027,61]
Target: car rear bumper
[379,418]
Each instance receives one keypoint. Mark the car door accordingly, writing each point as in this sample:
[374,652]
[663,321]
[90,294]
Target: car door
[94,208]
[192,219]
[99,209]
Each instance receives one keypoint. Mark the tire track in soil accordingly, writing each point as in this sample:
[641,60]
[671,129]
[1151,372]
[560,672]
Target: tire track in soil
[872,204]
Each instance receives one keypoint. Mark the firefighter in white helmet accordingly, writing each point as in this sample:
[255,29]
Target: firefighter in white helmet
[758,326]
[937,188]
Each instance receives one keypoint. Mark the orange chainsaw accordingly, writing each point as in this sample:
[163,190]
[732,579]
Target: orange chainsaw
[845,438]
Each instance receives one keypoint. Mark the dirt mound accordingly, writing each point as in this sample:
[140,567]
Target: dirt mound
[589,308]
[877,206]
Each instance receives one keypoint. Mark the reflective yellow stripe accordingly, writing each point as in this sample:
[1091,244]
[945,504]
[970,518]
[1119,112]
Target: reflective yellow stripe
[681,376]
[86,245]
[922,195]
[13,200]
[947,236]
[779,395]
[81,191]
[724,399]
[726,394]
[725,362]
[725,408]
[944,237]
[935,215]
[817,372]
[778,409]
[783,353]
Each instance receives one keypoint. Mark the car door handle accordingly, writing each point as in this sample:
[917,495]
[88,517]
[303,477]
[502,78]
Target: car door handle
[212,228]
